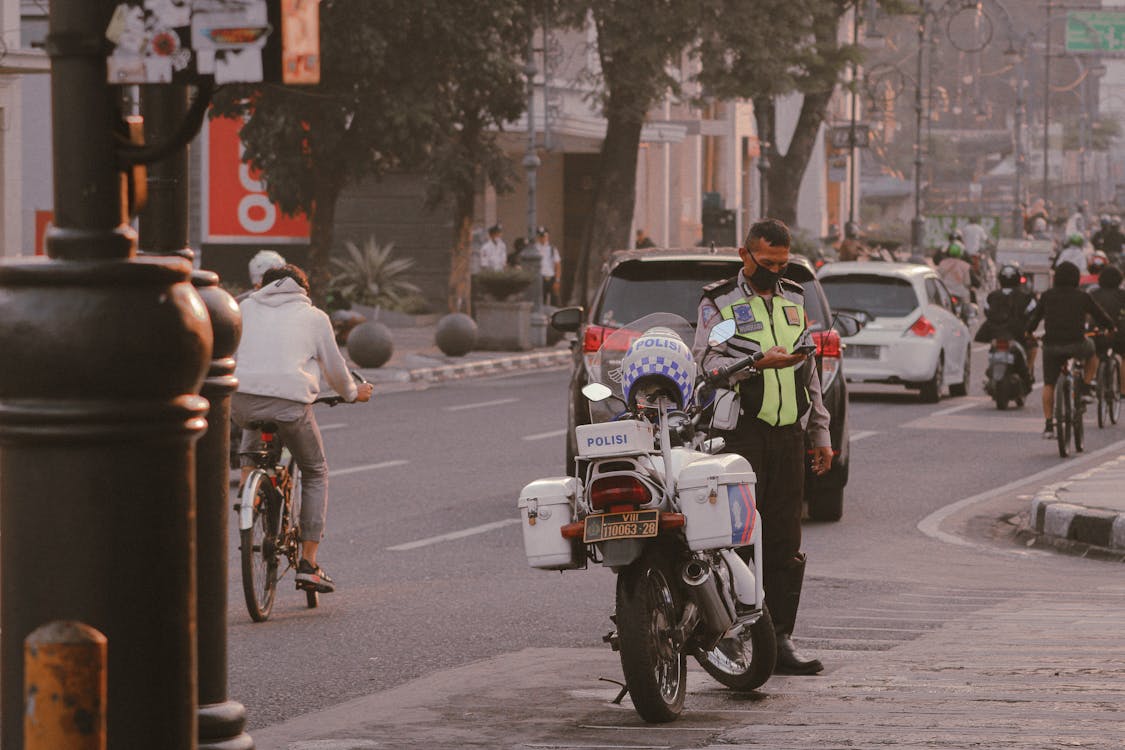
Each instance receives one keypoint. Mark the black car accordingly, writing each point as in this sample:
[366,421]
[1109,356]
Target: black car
[639,282]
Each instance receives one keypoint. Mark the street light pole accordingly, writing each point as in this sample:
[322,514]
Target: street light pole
[851,134]
[531,258]
[918,224]
[1047,106]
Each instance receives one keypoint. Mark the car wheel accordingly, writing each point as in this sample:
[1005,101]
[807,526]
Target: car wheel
[931,389]
[962,388]
[826,503]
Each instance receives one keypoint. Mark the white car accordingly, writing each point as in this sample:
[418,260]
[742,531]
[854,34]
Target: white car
[912,336]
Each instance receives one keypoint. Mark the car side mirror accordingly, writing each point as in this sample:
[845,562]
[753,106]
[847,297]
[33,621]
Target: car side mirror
[567,319]
[721,333]
[849,324]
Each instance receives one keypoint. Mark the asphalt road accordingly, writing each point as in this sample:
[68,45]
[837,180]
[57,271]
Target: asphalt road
[423,544]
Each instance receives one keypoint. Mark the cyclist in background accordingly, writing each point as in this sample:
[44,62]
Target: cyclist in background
[1063,309]
[286,345]
[1111,297]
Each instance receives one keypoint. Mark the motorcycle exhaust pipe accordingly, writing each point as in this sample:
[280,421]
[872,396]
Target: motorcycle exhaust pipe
[703,588]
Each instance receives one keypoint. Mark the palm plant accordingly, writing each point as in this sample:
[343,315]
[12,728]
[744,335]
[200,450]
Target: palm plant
[370,276]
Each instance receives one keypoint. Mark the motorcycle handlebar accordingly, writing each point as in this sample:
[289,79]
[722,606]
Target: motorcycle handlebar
[720,375]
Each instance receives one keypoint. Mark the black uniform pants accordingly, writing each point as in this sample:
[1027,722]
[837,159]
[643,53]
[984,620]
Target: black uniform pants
[778,457]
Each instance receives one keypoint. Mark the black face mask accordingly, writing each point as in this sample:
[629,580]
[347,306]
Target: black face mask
[763,278]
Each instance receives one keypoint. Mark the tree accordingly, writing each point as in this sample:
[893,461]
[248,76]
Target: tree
[484,90]
[639,42]
[770,48]
[404,85]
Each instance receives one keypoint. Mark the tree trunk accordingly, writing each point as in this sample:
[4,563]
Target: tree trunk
[460,284]
[322,232]
[614,202]
[786,172]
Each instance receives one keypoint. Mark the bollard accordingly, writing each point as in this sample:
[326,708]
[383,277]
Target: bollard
[65,688]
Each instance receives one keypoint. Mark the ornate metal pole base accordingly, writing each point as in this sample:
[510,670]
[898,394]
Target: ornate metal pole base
[98,420]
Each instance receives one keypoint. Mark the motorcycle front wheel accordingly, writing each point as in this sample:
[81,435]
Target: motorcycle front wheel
[745,661]
[654,664]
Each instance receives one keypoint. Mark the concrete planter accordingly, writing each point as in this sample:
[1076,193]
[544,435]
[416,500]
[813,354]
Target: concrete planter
[503,326]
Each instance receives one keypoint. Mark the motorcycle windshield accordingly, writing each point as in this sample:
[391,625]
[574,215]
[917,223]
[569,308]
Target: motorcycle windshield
[606,365]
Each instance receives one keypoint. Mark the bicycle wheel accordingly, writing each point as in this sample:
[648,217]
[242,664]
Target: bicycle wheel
[1078,414]
[312,598]
[259,547]
[1104,392]
[1114,390]
[1062,414]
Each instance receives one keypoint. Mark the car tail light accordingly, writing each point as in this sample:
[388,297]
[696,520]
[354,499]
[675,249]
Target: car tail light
[1001,345]
[593,337]
[827,343]
[609,491]
[923,328]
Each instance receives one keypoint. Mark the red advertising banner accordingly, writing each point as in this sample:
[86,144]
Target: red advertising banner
[235,206]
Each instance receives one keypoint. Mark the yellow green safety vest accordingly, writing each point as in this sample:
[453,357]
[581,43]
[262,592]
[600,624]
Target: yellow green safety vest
[775,396]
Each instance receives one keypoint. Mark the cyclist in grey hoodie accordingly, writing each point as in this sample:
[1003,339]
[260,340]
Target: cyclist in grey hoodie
[286,344]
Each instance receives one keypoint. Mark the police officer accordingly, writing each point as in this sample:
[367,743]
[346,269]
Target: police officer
[776,394]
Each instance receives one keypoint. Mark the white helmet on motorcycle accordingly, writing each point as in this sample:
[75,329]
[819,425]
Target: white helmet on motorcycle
[658,359]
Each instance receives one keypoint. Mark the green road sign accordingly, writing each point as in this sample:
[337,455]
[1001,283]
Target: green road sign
[1100,31]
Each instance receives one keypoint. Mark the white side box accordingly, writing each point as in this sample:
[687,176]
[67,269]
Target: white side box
[717,498]
[614,438]
[546,505]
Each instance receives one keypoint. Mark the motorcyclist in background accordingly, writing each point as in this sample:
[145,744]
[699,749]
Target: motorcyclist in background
[1007,311]
[958,276]
[1094,266]
[1073,251]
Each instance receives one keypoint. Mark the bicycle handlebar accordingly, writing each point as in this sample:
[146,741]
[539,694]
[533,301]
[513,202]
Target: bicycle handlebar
[337,400]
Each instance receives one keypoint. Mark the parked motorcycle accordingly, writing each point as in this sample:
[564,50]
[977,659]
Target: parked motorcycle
[1007,379]
[655,501]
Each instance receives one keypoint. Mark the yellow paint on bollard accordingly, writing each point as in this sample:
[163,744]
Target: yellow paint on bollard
[64,688]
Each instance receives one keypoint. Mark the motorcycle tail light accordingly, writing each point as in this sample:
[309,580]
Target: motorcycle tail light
[923,328]
[609,491]
[1001,345]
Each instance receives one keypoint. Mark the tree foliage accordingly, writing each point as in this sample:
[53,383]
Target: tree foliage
[405,84]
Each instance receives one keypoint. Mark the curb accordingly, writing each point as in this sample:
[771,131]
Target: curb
[479,368]
[1056,519]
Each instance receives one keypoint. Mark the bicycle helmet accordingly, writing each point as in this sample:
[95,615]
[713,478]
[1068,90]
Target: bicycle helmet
[659,359]
[1098,260]
[1075,240]
[263,261]
[1009,276]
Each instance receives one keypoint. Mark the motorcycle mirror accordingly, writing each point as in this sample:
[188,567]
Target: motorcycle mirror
[847,324]
[596,392]
[721,333]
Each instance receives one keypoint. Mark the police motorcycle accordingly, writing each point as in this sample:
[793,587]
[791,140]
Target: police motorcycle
[656,501]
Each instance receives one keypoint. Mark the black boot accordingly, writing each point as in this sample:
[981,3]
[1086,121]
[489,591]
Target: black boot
[783,597]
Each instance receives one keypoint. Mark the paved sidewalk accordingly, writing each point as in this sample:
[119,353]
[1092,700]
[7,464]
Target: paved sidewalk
[1085,513]
[416,360]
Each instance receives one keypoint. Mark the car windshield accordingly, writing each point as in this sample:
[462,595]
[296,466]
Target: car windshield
[637,288]
[814,307]
[878,296]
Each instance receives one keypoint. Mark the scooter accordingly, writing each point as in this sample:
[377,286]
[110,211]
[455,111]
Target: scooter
[1007,379]
[655,500]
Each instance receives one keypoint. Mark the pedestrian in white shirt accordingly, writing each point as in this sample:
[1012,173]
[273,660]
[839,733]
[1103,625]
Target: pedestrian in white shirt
[494,251]
[973,236]
[550,264]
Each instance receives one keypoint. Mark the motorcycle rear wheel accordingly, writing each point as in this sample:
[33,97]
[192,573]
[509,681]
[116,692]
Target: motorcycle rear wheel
[654,665]
[746,661]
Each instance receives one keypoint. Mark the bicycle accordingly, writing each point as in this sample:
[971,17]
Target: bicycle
[1109,387]
[269,509]
[1069,407]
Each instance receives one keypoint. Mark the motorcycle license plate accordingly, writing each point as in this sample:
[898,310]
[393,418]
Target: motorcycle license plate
[634,524]
[1006,357]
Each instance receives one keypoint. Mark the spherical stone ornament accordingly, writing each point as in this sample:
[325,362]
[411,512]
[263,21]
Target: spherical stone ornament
[370,344]
[456,334]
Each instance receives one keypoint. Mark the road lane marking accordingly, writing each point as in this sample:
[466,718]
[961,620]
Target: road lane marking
[454,535]
[481,404]
[931,524]
[955,409]
[545,435]
[862,434]
[336,426]
[367,467]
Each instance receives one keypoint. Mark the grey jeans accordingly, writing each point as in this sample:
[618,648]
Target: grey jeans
[299,433]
